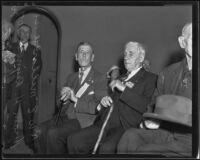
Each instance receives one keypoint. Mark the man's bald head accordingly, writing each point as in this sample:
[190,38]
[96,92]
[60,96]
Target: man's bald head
[185,40]
[187,29]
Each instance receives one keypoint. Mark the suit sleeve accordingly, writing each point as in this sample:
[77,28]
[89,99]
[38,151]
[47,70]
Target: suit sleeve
[90,102]
[137,101]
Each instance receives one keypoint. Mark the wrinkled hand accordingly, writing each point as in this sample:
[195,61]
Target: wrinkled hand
[106,101]
[117,84]
[65,94]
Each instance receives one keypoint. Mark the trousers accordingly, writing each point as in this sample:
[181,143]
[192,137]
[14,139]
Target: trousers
[20,100]
[83,142]
[53,138]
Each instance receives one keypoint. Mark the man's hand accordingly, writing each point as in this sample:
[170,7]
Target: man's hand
[65,94]
[117,84]
[73,96]
[106,101]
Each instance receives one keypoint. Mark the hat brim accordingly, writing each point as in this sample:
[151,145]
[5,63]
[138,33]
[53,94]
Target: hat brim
[161,117]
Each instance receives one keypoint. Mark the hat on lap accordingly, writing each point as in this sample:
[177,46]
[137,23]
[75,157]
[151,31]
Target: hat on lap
[172,108]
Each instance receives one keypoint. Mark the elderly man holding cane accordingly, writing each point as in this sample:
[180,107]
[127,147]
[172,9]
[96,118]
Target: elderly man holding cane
[80,95]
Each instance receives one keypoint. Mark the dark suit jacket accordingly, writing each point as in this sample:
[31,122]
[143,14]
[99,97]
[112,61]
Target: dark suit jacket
[85,110]
[130,105]
[32,65]
[31,61]
[169,81]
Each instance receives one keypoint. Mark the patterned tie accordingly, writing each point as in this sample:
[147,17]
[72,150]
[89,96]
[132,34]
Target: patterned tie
[22,49]
[80,77]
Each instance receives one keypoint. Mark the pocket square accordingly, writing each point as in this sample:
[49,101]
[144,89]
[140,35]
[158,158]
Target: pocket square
[90,93]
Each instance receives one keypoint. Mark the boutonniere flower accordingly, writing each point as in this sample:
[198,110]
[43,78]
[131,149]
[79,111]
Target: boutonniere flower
[129,84]
[8,57]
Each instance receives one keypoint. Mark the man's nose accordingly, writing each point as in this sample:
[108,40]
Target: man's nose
[126,57]
[84,55]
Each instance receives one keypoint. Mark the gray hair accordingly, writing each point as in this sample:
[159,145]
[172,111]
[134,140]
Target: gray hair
[140,47]
[185,29]
[85,44]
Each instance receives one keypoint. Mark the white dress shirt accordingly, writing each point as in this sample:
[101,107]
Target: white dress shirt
[25,45]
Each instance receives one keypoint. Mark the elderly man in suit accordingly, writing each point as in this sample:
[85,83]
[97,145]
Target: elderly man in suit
[28,65]
[81,95]
[131,95]
[170,134]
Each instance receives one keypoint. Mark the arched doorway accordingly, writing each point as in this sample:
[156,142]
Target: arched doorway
[48,37]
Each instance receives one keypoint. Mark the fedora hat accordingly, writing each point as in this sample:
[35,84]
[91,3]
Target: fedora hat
[172,108]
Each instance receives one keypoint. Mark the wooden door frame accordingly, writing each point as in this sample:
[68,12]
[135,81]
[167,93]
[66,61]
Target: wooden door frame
[53,18]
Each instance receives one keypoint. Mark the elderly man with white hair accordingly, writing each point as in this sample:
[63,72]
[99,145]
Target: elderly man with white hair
[167,130]
[131,94]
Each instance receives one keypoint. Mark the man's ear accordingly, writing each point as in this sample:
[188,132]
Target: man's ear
[92,59]
[141,58]
[76,57]
[181,40]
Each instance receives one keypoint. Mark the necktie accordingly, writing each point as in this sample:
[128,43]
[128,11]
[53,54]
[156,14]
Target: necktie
[80,77]
[22,49]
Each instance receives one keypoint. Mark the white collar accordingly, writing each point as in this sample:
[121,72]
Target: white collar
[25,45]
[132,73]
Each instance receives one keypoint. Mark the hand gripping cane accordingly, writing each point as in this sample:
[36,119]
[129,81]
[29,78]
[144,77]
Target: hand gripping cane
[102,129]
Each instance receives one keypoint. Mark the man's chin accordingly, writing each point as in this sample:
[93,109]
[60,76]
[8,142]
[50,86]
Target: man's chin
[84,66]
[128,68]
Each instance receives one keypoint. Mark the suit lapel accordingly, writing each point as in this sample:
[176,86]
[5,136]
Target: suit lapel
[137,76]
[176,77]
[18,48]
[76,85]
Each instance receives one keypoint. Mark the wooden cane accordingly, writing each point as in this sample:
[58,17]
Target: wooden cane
[102,129]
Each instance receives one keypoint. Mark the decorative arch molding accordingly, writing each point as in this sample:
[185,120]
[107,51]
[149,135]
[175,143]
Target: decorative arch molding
[53,18]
